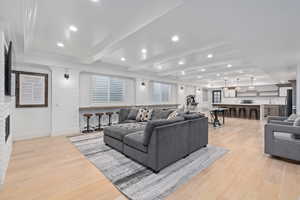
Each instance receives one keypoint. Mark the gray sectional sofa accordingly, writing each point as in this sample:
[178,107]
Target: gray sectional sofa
[158,142]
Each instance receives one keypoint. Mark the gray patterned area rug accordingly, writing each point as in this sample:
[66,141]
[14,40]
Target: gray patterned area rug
[137,182]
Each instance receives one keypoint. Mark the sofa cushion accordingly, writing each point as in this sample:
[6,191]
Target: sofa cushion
[120,130]
[123,114]
[129,121]
[160,114]
[291,118]
[285,136]
[155,123]
[135,140]
[132,113]
[192,116]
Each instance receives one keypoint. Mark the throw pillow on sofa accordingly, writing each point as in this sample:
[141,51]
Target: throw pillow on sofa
[172,115]
[159,113]
[143,115]
[133,113]
[292,118]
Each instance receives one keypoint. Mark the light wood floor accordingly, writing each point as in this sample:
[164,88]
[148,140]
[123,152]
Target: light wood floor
[53,169]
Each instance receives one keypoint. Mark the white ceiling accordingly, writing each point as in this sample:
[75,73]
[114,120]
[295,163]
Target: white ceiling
[258,38]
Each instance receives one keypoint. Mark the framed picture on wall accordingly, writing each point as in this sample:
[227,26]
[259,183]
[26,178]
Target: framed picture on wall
[31,89]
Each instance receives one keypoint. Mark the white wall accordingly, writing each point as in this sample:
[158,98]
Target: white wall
[33,122]
[62,115]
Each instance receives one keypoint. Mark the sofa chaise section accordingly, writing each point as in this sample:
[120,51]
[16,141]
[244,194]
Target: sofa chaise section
[114,135]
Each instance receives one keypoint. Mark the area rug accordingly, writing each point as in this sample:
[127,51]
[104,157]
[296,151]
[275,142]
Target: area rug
[137,182]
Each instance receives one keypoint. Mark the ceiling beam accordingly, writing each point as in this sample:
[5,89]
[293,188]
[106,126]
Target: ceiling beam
[162,59]
[109,42]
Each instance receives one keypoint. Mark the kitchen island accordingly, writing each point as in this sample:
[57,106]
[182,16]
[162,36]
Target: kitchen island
[264,109]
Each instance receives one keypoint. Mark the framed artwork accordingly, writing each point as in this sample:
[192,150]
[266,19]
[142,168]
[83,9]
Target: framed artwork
[31,89]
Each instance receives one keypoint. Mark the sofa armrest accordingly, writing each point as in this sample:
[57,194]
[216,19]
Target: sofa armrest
[168,144]
[281,122]
[271,128]
[277,118]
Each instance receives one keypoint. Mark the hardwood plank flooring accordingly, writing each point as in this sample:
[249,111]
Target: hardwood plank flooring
[53,169]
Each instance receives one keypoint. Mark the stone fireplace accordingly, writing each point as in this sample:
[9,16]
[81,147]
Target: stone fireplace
[5,118]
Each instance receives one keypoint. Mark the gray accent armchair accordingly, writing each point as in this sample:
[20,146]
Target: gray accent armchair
[280,140]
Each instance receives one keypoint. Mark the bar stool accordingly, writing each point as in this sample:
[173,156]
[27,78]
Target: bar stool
[118,113]
[231,111]
[87,128]
[255,111]
[109,117]
[242,111]
[99,115]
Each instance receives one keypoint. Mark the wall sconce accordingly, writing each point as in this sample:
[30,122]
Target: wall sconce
[181,88]
[143,84]
[67,75]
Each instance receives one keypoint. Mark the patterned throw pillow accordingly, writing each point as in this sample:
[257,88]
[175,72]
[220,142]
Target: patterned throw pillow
[172,115]
[144,115]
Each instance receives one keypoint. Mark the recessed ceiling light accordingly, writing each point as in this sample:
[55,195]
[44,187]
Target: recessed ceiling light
[181,62]
[241,71]
[144,50]
[199,76]
[123,59]
[203,70]
[94,1]
[175,38]
[218,74]
[159,67]
[183,72]
[60,44]
[210,55]
[73,28]
[229,65]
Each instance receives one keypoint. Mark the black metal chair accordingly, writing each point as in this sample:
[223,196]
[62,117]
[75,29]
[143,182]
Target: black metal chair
[87,129]
[109,114]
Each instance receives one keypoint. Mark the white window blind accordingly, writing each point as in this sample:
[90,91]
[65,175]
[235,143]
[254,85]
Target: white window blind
[161,92]
[105,89]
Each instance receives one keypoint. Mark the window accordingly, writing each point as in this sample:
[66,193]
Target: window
[216,96]
[105,89]
[161,92]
